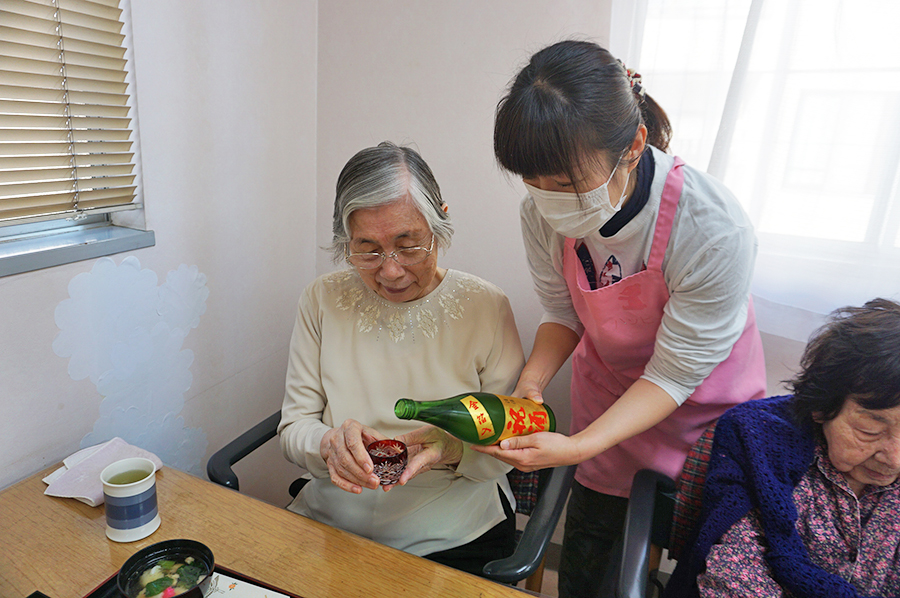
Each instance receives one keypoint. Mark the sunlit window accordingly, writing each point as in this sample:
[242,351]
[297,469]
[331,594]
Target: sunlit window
[795,105]
[814,151]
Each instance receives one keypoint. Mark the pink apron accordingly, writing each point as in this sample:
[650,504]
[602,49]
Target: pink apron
[621,321]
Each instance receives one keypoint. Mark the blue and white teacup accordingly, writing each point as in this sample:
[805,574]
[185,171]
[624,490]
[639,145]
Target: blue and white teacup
[129,491]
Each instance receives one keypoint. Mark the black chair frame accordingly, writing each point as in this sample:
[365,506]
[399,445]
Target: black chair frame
[530,550]
[647,521]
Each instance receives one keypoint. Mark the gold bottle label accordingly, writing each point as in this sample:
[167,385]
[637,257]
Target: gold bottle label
[523,417]
[480,416]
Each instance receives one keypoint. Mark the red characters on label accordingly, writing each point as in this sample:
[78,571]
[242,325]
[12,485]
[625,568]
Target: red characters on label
[516,420]
[538,421]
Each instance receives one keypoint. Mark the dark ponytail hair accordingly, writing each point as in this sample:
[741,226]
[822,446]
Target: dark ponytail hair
[659,129]
[571,102]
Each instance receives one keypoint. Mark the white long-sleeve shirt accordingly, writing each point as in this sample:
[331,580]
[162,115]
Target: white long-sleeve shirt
[352,355]
[707,267]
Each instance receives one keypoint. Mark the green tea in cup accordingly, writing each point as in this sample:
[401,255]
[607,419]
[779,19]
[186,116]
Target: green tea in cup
[128,477]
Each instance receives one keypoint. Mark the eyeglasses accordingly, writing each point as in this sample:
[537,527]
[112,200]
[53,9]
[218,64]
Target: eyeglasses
[408,256]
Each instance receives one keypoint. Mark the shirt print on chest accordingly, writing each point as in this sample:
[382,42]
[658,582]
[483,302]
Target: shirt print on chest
[611,272]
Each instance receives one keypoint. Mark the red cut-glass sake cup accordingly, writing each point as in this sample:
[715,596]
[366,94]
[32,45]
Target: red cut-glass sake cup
[389,459]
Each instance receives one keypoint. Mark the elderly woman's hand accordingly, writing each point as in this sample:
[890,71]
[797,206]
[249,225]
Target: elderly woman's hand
[428,446]
[344,451]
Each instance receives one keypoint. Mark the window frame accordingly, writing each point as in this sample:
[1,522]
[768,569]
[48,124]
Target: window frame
[48,242]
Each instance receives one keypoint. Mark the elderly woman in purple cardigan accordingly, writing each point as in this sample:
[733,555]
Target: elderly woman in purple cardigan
[802,498]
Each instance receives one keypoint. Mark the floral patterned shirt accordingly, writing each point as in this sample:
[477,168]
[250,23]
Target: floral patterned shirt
[857,538]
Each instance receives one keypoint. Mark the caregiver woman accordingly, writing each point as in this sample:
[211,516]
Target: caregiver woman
[643,267]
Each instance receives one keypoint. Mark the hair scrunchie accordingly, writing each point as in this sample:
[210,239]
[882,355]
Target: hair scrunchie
[634,79]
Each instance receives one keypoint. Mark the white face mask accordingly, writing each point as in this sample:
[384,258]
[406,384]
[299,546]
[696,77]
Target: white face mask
[573,216]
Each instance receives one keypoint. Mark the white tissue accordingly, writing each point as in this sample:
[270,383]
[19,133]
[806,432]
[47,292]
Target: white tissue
[79,477]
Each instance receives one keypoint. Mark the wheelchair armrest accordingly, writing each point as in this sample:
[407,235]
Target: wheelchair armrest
[633,572]
[538,531]
[219,466]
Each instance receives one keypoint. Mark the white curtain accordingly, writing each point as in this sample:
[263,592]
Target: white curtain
[795,105]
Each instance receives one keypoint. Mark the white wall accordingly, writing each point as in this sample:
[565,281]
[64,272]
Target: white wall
[226,93]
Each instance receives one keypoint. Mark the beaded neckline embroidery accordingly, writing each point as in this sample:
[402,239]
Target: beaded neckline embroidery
[424,316]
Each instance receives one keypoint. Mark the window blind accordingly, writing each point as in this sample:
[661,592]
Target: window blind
[65,137]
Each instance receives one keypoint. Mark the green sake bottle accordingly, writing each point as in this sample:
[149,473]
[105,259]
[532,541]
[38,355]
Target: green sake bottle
[481,417]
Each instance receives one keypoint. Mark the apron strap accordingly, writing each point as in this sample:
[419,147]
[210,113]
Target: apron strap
[667,206]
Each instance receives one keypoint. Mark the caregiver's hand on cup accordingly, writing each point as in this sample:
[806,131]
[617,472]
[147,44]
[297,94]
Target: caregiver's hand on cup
[429,446]
[344,451]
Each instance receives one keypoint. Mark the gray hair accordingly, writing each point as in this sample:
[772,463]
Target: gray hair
[380,175]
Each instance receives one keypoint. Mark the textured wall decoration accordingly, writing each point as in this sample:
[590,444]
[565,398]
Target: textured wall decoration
[125,333]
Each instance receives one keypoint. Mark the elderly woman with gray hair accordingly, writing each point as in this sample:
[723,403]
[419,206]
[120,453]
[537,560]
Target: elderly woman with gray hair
[396,325]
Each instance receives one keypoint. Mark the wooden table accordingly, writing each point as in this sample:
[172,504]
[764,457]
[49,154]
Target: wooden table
[59,546]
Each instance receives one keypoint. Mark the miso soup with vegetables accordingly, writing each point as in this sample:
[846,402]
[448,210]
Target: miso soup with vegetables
[169,578]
